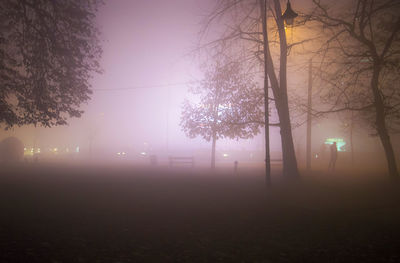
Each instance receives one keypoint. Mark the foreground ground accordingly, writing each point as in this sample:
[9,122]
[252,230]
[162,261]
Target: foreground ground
[104,214]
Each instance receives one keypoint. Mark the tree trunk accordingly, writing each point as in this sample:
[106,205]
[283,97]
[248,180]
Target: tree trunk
[214,142]
[288,153]
[387,146]
[381,123]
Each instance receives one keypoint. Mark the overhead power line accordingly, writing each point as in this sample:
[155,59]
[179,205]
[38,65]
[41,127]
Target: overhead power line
[149,86]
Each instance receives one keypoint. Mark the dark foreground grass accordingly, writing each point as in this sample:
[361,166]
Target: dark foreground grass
[104,214]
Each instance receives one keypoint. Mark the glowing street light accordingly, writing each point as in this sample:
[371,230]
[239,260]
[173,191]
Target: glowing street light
[289,15]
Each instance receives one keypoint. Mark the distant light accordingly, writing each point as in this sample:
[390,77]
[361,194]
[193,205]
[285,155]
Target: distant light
[225,155]
[77,149]
[340,143]
[32,150]
[143,153]
[123,153]
[38,150]
[332,140]
[24,148]
[55,149]
[316,156]
[118,153]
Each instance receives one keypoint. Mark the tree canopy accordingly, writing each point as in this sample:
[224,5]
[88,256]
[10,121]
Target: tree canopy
[230,106]
[49,50]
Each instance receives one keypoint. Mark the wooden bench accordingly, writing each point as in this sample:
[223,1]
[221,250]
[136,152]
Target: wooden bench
[181,161]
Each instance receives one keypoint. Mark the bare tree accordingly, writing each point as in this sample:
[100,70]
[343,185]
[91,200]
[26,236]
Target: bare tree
[242,36]
[230,106]
[360,62]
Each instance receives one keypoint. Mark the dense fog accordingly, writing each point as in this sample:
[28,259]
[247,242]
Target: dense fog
[135,109]
[170,160]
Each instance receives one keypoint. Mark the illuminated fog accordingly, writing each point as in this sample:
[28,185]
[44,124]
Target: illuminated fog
[149,64]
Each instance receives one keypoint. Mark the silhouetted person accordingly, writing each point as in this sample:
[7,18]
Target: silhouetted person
[332,161]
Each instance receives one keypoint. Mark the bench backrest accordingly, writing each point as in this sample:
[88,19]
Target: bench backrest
[173,161]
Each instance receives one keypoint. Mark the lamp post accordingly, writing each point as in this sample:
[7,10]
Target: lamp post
[289,15]
[264,10]
[289,160]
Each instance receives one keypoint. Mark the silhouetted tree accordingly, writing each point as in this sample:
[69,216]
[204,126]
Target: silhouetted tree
[242,30]
[360,63]
[48,51]
[230,106]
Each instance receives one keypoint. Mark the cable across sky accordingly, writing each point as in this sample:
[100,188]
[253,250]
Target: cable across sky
[149,86]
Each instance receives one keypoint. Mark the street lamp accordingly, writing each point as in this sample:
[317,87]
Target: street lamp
[289,15]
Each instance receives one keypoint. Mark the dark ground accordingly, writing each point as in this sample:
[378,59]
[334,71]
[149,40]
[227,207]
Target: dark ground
[66,214]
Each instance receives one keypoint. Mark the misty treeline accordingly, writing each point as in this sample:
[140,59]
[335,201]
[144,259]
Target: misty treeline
[354,48]
[49,50]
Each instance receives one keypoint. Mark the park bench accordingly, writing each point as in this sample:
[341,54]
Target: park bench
[181,161]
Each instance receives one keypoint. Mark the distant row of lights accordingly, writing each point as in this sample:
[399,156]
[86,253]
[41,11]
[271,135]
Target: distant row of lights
[53,150]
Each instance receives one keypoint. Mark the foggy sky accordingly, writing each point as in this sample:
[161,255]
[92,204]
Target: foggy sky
[145,44]
[147,49]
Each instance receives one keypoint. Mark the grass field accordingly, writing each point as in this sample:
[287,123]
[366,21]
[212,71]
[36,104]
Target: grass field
[107,214]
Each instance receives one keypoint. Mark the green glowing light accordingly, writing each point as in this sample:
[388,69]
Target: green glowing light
[340,143]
